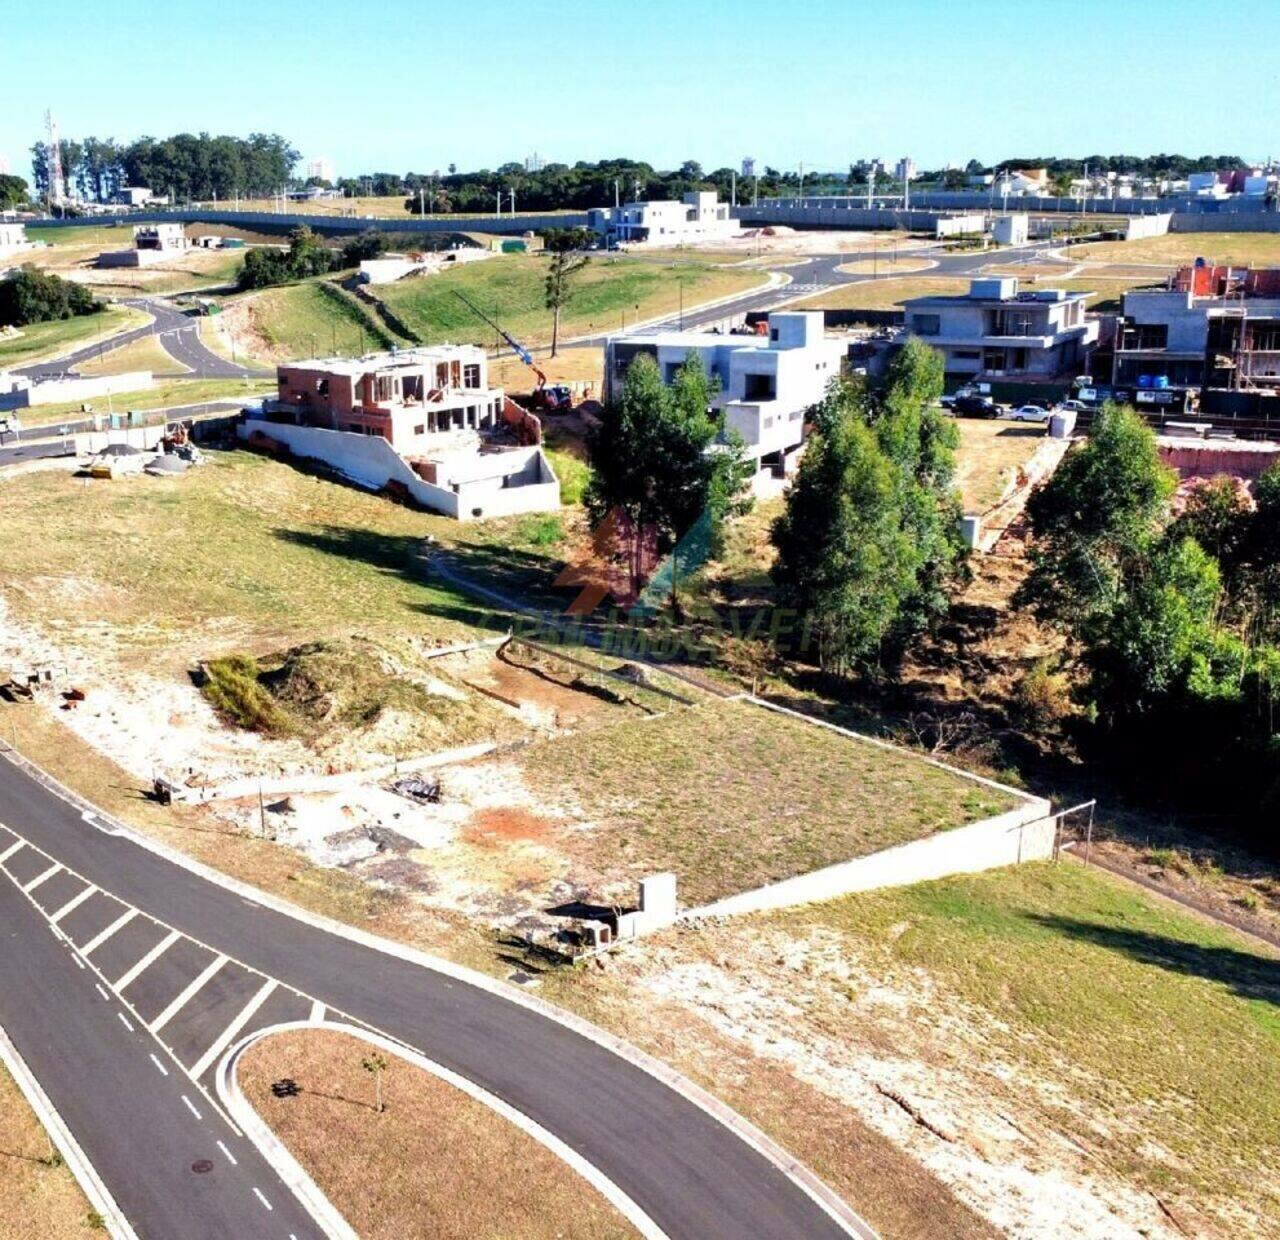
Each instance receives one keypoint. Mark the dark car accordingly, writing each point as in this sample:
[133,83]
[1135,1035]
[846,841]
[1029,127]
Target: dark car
[976,407]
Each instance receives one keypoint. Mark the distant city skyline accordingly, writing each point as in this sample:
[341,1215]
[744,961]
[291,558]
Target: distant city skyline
[823,84]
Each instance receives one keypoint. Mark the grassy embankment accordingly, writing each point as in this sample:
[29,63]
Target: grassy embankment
[434,1162]
[40,342]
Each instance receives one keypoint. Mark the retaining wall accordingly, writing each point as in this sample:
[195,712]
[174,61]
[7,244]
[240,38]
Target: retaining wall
[58,391]
[1022,834]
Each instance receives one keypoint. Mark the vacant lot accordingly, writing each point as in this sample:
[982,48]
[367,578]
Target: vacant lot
[146,353]
[168,393]
[882,294]
[41,342]
[731,796]
[989,456]
[1071,1056]
[434,1163]
[1258,249]
[39,1197]
[885,266]
[301,321]
[511,290]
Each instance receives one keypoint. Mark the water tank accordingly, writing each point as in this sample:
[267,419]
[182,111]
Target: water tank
[1144,381]
[1160,381]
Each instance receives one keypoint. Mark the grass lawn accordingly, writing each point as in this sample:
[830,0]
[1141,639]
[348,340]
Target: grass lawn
[989,455]
[43,341]
[1159,1033]
[510,289]
[732,796]
[881,294]
[258,553]
[38,1194]
[435,1162]
[306,320]
[1258,249]
[146,353]
[167,394]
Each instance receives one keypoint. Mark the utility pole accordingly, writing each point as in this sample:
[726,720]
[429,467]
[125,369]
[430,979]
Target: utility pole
[755,195]
[513,202]
[422,201]
[498,209]
[616,194]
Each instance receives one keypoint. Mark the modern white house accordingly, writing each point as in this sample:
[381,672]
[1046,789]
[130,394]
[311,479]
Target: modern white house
[152,244]
[423,424]
[13,240]
[767,381]
[698,216]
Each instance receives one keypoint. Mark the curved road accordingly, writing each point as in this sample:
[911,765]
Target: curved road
[124,1010]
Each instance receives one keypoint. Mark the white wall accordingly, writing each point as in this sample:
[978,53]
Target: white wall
[56,391]
[1146,226]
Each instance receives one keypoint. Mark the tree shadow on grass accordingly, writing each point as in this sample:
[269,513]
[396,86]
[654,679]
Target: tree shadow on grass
[1249,975]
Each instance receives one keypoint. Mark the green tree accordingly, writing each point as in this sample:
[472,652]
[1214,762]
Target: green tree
[13,191]
[375,1065]
[656,464]
[567,261]
[35,296]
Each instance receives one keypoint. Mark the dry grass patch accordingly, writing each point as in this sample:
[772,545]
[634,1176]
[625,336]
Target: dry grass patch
[39,1196]
[435,1162]
[146,353]
[41,342]
[989,457]
[885,266]
[881,294]
[731,796]
[1174,249]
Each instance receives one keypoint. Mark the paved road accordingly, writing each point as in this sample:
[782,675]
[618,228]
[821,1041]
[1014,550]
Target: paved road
[190,959]
[179,335]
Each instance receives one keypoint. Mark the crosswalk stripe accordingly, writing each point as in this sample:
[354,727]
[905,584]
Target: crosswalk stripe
[177,1005]
[8,852]
[131,974]
[97,941]
[40,878]
[223,1040]
[74,903]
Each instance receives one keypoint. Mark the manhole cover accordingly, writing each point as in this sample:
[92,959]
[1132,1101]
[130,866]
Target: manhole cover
[202,1166]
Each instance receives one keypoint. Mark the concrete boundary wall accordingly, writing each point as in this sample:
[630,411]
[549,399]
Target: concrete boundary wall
[1139,226]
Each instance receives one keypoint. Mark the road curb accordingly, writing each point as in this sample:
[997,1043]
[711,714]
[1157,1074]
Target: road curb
[75,1158]
[313,1197]
[822,1195]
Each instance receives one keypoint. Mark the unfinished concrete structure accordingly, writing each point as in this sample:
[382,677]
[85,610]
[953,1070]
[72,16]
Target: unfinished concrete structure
[766,381]
[424,421]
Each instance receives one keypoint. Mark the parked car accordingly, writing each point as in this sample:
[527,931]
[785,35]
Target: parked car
[976,407]
[1074,406]
[947,402]
[1030,413]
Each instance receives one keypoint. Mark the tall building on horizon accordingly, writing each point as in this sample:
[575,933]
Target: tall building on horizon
[320,169]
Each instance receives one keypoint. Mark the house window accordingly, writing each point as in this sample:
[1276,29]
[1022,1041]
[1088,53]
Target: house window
[471,375]
[322,387]
[926,324]
[758,387]
[419,430]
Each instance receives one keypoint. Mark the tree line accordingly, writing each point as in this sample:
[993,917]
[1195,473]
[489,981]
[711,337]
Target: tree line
[34,296]
[188,166]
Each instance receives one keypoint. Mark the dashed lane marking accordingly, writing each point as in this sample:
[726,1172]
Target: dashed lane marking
[191,1107]
[230,1157]
[257,1192]
[102,991]
[122,983]
[163,1070]
[98,939]
[124,1020]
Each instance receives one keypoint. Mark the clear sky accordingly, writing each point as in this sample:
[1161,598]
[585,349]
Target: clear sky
[398,85]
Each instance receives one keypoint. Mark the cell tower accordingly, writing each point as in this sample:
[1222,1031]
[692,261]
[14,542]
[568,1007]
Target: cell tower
[53,158]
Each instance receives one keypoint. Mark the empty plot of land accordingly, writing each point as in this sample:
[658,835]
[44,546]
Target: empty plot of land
[882,294]
[42,341]
[435,1162]
[304,320]
[146,353]
[511,290]
[989,457]
[732,796]
[1241,248]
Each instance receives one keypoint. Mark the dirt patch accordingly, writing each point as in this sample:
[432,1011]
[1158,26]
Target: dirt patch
[489,828]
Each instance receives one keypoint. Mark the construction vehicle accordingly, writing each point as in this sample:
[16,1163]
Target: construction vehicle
[556,397]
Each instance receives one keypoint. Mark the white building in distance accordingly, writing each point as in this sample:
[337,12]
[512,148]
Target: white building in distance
[766,381]
[698,216]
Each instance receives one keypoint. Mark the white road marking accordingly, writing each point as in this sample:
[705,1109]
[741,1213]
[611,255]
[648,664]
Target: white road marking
[97,941]
[196,983]
[74,903]
[124,1020]
[8,852]
[223,1040]
[102,992]
[163,1070]
[76,958]
[41,878]
[317,1011]
[190,1107]
[154,954]
[257,1192]
[231,1158]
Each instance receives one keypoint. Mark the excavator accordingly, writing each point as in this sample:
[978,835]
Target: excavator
[557,396]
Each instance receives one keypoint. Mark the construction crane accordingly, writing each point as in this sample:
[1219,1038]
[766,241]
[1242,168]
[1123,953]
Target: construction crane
[558,397]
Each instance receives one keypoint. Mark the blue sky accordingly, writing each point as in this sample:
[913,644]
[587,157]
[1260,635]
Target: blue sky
[396,85]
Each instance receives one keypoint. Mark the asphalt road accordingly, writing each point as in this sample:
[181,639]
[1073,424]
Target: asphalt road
[692,1175]
[179,335]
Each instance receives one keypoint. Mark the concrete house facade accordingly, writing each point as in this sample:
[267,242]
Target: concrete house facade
[766,382]
[698,216]
[424,421]
[995,330]
[152,244]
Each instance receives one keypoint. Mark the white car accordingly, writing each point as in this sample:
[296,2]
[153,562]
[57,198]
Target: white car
[1029,413]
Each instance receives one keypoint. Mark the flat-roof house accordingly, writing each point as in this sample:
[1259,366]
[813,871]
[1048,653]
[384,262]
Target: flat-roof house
[698,216]
[152,243]
[995,330]
[424,421]
[767,382]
